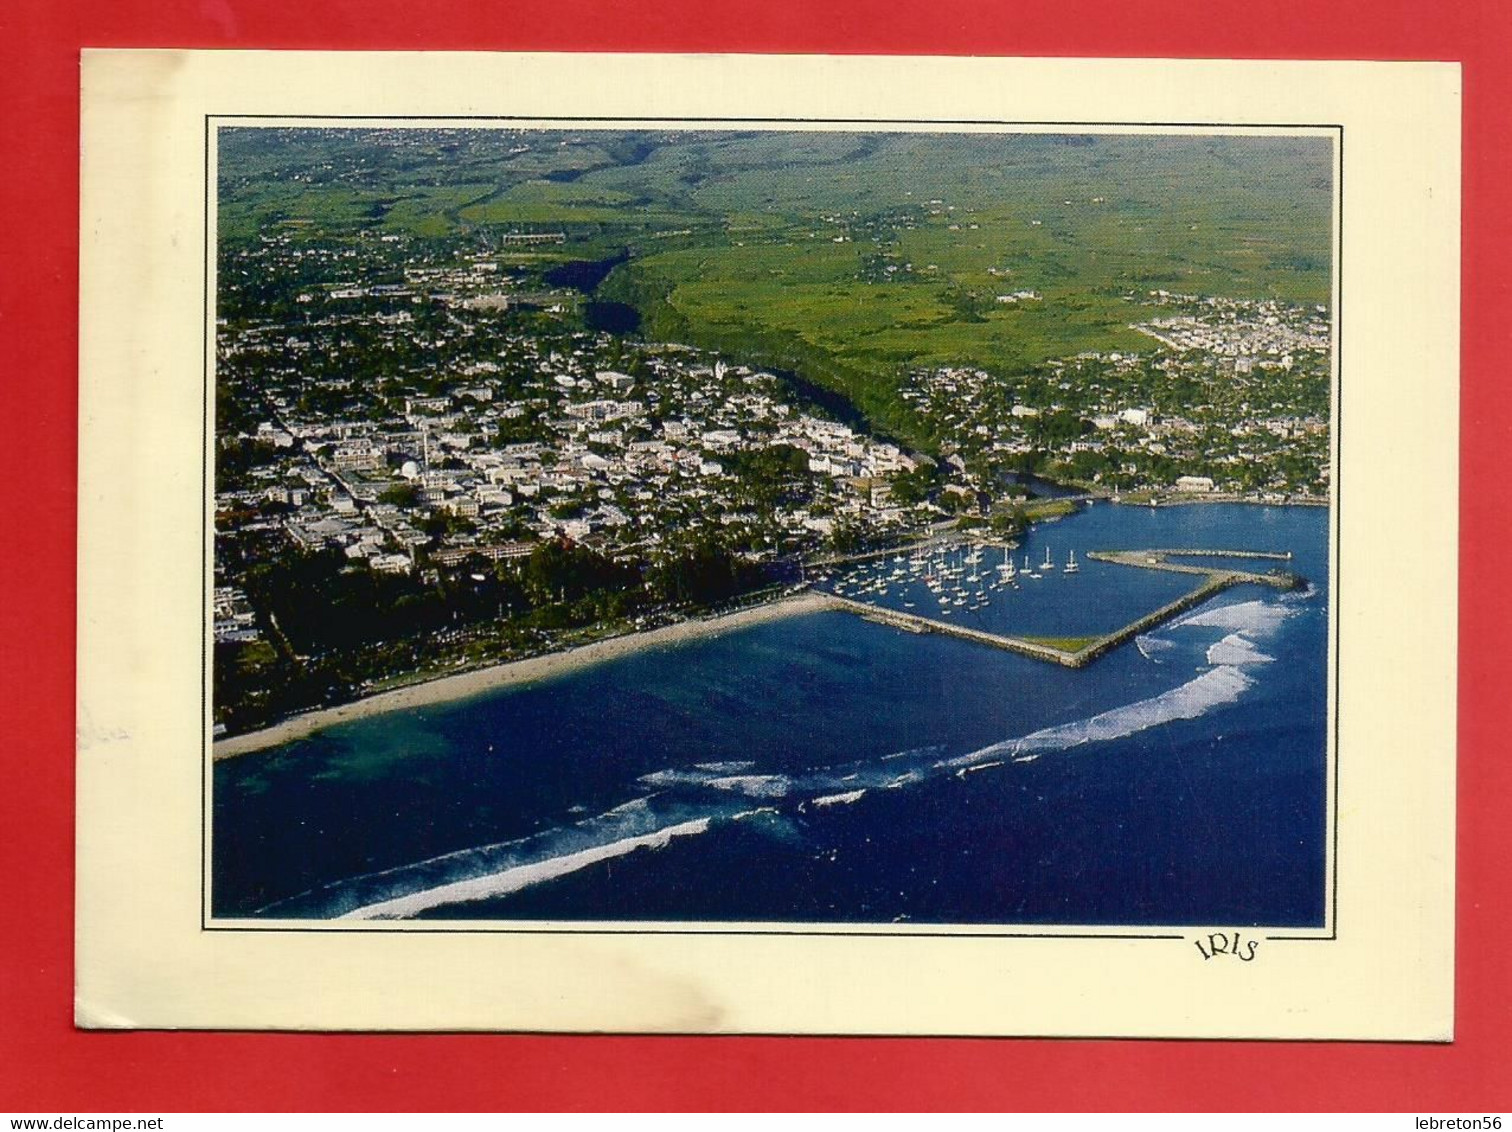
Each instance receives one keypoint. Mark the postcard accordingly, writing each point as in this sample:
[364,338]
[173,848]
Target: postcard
[767,545]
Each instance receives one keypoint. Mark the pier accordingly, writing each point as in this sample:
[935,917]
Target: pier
[1214,581]
[913,623]
[1161,560]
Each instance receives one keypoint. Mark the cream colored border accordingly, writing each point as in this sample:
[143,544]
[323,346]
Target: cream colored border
[142,958]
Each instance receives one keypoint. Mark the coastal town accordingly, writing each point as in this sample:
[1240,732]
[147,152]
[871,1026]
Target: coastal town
[603,513]
[1232,399]
[427,459]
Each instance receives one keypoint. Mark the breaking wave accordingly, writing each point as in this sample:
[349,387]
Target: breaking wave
[1236,649]
[716,777]
[839,799]
[1259,618]
[686,802]
[639,822]
[754,785]
[1243,625]
[521,876]
[1153,648]
[1197,697]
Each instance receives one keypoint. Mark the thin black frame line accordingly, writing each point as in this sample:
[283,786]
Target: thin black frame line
[726,1035]
[214,121]
[1336,560]
[1331,937]
[206,528]
[1338,518]
[649,929]
[1074,125]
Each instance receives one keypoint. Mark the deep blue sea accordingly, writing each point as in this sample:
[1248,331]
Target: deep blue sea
[826,769]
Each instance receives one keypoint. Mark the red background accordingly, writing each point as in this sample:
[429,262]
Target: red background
[46,1065]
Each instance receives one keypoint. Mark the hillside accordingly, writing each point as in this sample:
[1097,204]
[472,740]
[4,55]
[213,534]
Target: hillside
[850,257]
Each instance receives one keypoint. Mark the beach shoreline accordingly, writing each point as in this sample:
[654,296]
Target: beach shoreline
[514,673]
[528,670]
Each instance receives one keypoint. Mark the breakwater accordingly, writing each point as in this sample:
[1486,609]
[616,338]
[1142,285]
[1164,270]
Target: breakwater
[913,623]
[1161,560]
[1214,581]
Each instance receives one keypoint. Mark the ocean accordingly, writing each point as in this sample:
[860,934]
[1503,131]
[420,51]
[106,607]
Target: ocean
[825,769]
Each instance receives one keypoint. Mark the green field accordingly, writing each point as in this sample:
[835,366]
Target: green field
[1063,644]
[851,257]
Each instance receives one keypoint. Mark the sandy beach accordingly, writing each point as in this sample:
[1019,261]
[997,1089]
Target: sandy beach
[515,672]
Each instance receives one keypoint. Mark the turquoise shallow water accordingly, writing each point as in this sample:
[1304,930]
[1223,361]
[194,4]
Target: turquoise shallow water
[827,769]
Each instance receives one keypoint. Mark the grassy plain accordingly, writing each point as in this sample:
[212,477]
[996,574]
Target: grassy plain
[851,257]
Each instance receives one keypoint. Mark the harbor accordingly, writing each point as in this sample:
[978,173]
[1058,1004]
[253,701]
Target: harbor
[949,579]
[822,751]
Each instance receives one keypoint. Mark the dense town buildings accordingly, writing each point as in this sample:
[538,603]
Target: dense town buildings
[409,411]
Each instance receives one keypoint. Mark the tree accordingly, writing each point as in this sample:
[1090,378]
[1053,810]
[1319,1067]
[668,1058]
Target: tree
[701,571]
[402,494]
[915,486]
[1009,523]
[847,538]
[562,571]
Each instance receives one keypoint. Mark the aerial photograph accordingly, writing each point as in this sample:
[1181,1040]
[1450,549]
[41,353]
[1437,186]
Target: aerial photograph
[769,529]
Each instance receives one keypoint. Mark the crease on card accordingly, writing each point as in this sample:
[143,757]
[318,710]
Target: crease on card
[91,1016]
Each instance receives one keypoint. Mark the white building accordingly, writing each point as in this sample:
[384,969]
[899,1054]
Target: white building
[1194,483]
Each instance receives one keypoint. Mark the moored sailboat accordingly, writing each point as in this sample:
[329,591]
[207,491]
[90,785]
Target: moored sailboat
[1006,570]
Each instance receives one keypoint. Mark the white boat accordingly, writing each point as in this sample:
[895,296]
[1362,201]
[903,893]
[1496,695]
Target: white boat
[1071,566]
[1006,569]
[1047,566]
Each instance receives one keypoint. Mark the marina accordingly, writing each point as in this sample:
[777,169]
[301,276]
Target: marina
[850,757]
[956,579]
